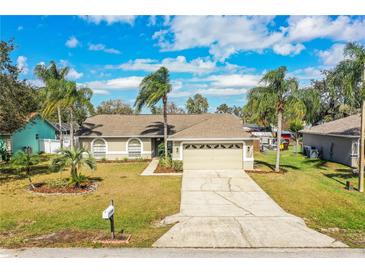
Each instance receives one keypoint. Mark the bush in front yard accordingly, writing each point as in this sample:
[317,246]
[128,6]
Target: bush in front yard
[165,162]
[177,165]
[169,163]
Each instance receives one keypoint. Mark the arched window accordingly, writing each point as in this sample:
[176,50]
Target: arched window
[134,148]
[99,148]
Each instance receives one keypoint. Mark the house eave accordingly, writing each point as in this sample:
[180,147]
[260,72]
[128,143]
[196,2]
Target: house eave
[120,136]
[333,135]
[213,139]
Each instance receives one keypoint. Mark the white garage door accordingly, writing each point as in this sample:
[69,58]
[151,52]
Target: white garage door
[213,156]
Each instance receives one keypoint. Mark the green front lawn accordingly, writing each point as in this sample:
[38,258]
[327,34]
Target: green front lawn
[315,190]
[28,219]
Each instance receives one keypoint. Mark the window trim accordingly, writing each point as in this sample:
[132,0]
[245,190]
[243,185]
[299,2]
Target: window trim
[127,146]
[357,143]
[105,142]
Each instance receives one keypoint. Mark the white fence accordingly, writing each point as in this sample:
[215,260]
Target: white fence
[52,145]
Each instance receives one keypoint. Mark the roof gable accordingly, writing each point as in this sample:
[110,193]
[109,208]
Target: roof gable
[348,126]
[179,125]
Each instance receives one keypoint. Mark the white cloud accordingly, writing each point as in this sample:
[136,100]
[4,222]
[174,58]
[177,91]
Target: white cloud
[234,80]
[36,83]
[74,74]
[223,35]
[308,73]
[21,63]
[178,64]
[341,28]
[131,82]
[72,42]
[210,92]
[152,20]
[109,19]
[333,55]
[102,47]
[288,49]
[101,92]
[228,35]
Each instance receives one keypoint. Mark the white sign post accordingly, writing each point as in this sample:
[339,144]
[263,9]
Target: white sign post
[108,213]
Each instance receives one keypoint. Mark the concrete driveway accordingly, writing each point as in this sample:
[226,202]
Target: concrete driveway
[226,208]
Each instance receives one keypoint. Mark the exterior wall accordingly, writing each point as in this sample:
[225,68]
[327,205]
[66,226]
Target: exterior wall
[117,148]
[26,136]
[176,150]
[341,149]
[248,160]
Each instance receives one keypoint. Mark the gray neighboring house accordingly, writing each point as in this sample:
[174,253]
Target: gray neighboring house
[337,141]
[203,141]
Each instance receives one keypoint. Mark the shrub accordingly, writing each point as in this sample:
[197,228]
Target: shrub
[161,150]
[73,158]
[165,162]
[58,183]
[25,161]
[177,165]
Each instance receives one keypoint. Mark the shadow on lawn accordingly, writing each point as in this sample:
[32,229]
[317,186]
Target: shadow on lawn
[8,174]
[316,163]
[341,176]
[283,168]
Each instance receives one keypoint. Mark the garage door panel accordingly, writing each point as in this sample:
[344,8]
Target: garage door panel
[212,158]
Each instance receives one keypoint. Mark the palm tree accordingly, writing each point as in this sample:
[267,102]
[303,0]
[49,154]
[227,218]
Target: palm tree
[73,98]
[51,76]
[76,98]
[277,91]
[75,159]
[354,85]
[25,160]
[152,89]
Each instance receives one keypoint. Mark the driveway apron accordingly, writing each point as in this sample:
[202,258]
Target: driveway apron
[226,208]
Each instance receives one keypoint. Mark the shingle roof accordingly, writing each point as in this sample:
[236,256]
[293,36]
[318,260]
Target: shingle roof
[217,126]
[348,127]
[179,126]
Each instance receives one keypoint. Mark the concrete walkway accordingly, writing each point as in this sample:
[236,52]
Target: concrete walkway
[226,208]
[150,169]
[182,253]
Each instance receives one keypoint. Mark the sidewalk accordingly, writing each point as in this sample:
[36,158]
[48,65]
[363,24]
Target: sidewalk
[182,253]
[150,169]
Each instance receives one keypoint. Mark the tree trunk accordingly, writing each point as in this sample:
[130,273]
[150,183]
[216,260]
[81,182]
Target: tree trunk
[71,128]
[362,141]
[60,126]
[297,146]
[278,135]
[164,101]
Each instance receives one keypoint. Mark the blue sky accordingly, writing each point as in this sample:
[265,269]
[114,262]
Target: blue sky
[221,57]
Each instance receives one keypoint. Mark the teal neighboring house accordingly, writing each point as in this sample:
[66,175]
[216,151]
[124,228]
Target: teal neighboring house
[32,134]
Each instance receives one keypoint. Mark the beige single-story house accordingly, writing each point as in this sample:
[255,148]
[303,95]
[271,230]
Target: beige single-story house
[201,141]
[336,141]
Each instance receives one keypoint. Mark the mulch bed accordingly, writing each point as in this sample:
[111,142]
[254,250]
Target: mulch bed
[120,238]
[46,189]
[161,169]
[122,161]
[259,171]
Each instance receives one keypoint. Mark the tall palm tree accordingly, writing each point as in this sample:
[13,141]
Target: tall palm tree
[277,90]
[354,85]
[152,89]
[51,76]
[73,98]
